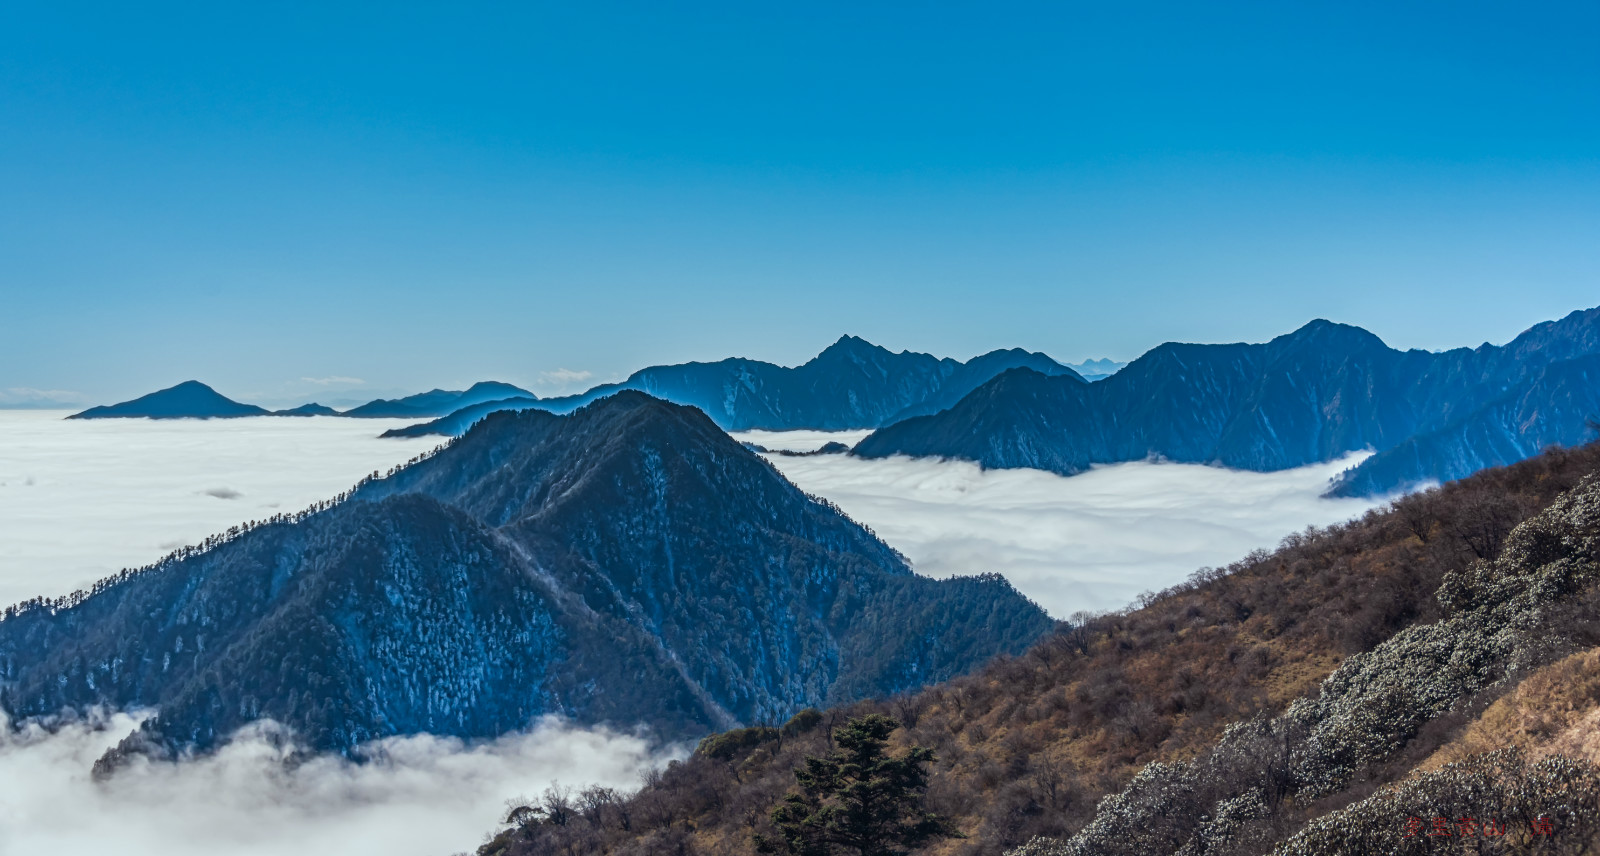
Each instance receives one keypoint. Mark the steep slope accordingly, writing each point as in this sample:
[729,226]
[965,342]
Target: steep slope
[851,384]
[975,373]
[188,400]
[1518,424]
[1020,419]
[1305,397]
[1255,707]
[628,563]
[437,402]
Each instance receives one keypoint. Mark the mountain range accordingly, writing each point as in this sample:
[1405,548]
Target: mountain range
[627,563]
[194,400]
[852,384]
[437,402]
[1093,370]
[1309,396]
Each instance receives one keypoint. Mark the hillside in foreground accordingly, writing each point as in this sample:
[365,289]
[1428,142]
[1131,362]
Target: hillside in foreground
[1306,700]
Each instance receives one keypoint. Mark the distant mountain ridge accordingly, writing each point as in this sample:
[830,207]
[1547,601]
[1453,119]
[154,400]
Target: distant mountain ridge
[1093,370]
[188,400]
[1309,396]
[455,424]
[627,563]
[437,402]
[195,400]
[852,384]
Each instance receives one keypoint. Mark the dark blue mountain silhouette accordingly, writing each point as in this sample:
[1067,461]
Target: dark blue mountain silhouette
[437,402]
[312,409]
[851,384]
[457,423]
[188,400]
[1312,395]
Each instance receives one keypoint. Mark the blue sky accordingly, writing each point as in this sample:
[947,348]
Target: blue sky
[418,196]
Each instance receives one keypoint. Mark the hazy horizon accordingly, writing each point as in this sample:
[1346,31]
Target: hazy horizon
[343,392]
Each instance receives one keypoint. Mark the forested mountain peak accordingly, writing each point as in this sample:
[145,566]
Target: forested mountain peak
[628,563]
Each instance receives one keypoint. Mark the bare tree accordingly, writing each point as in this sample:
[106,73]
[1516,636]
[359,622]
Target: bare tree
[597,803]
[557,804]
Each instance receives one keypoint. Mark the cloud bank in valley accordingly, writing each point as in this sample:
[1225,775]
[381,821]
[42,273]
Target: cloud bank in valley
[422,796]
[82,499]
[1094,541]
[78,500]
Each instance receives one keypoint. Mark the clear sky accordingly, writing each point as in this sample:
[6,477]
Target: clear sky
[428,195]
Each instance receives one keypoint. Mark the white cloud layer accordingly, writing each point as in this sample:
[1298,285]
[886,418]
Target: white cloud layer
[80,499]
[424,796]
[1090,542]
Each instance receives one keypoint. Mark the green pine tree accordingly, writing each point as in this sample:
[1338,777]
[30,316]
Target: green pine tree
[858,800]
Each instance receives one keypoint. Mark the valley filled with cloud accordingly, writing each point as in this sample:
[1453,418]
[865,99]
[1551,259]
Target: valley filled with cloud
[418,795]
[83,499]
[1091,542]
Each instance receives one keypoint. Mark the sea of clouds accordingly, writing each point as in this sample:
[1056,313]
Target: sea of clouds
[1091,542]
[421,795]
[82,499]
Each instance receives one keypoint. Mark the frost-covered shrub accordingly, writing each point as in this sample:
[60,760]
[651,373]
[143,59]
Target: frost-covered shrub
[1368,708]
[1377,701]
[1231,826]
[1150,815]
[1489,804]
[1192,808]
[1039,846]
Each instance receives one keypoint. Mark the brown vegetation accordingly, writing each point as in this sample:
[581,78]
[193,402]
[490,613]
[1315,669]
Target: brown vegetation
[1029,745]
[1554,710]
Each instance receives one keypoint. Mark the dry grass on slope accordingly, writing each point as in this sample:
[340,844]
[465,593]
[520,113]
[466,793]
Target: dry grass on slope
[1029,745]
[1556,709]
